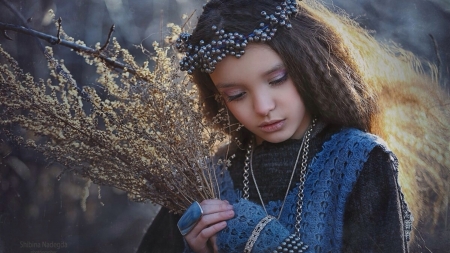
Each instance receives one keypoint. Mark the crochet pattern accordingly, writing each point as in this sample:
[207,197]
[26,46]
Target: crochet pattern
[234,237]
[331,176]
[330,179]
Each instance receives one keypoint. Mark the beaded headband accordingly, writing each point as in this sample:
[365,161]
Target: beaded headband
[206,56]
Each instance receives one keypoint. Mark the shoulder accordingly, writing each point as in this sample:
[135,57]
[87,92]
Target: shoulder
[352,148]
[368,148]
[352,137]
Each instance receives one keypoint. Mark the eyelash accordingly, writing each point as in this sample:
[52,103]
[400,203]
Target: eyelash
[235,97]
[272,83]
[280,80]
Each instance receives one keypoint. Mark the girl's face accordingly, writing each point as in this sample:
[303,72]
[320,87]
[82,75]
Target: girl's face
[260,94]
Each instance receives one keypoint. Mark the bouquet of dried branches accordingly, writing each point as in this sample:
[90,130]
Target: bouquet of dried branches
[143,131]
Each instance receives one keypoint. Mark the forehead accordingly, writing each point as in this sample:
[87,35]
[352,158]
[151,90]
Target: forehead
[257,61]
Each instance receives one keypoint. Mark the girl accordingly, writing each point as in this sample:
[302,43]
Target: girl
[307,174]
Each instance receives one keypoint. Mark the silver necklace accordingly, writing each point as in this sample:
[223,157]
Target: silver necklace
[289,185]
[301,187]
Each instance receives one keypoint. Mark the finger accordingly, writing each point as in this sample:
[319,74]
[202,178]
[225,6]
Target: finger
[210,231]
[199,243]
[213,241]
[214,206]
[208,220]
[215,213]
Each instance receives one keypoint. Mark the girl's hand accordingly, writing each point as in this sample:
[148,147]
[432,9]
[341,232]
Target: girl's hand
[201,238]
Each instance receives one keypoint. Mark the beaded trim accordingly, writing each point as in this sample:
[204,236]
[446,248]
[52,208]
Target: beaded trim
[256,231]
[291,244]
[206,56]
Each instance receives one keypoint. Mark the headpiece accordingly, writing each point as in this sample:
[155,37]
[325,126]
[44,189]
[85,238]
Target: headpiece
[205,56]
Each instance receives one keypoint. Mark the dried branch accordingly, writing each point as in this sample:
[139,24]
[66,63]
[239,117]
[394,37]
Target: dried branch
[147,137]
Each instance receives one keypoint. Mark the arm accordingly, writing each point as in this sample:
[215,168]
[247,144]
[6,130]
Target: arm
[239,229]
[373,219]
[228,227]
[162,230]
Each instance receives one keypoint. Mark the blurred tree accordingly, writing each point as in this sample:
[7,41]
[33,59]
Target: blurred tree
[35,207]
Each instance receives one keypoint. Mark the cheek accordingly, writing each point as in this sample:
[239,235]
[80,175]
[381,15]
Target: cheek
[292,96]
[239,111]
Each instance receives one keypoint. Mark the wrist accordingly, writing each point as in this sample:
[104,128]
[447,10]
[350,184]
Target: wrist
[234,237]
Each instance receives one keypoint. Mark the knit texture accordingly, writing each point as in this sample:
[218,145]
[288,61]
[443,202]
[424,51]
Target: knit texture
[336,161]
[330,179]
[234,237]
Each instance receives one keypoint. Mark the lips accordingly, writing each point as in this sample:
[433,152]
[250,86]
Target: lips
[271,126]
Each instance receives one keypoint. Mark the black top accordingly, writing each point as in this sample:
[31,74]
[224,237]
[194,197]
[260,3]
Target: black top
[373,220]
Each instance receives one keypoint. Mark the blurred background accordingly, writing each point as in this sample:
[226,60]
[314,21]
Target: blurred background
[77,216]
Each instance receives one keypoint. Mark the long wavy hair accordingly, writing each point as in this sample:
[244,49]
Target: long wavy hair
[323,69]
[347,78]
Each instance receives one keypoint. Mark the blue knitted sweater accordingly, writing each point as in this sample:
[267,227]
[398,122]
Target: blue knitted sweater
[330,178]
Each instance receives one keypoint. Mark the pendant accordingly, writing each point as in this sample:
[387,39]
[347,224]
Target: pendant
[292,244]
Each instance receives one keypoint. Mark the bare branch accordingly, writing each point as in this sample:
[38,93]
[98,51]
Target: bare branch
[58,35]
[54,40]
[111,30]
[189,18]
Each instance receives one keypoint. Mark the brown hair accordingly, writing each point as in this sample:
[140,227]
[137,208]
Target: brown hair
[317,60]
[347,78]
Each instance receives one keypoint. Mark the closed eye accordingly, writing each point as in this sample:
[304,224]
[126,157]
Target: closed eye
[236,97]
[279,80]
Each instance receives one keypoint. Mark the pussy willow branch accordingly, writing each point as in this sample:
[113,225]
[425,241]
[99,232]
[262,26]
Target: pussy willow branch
[54,41]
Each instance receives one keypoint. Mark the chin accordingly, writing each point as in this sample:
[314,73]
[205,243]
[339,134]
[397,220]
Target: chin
[276,138]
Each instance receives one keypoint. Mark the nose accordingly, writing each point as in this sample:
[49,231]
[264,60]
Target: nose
[263,103]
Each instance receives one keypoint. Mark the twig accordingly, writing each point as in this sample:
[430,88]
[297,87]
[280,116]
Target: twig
[111,30]
[438,56]
[189,18]
[57,40]
[54,40]
[58,34]
[15,11]
[22,20]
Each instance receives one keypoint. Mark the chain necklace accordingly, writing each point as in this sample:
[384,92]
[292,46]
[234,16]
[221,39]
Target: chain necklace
[289,185]
[301,187]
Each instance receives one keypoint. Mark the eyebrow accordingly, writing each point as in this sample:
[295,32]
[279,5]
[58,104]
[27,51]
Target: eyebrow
[268,72]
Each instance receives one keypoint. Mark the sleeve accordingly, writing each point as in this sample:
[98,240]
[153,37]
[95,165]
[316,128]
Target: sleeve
[247,216]
[162,236]
[374,219]
[239,229]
